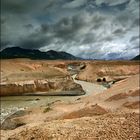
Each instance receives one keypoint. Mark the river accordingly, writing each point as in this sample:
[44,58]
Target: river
[11,104]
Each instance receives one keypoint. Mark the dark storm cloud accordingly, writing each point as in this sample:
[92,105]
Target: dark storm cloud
[136,22]
[134,38]
[67,28]
[38,38]
[3,20]
[89,38]
[21,6]
[28,26]
[93,28]
[45,28]
[118,31]
[33,44]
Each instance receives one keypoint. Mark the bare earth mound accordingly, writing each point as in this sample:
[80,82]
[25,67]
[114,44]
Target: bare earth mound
[110,115]
[124,95]
[111,70]
[20,76]
[132,105]
[105,127]
[86,112]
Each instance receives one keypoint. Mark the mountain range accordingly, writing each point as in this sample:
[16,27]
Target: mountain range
[137,57]
[18,52]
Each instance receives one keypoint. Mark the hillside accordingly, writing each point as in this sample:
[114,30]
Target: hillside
[22,76]
[137,57]
[17,52]
[113,114]
[111,70]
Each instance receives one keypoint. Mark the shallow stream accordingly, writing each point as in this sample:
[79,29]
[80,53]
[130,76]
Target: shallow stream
[11,104]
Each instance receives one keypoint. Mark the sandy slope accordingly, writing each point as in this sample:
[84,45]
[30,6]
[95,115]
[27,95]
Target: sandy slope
[21,76]
[111,70]
[25,69]
[105,127]
[100,116]
[110,115]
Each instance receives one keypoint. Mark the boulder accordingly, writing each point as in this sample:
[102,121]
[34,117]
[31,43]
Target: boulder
[11,123]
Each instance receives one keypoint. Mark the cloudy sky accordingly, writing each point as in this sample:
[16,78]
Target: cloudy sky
[98,29]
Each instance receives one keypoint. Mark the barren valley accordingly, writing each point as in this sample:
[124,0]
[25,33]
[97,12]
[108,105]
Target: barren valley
[110,109]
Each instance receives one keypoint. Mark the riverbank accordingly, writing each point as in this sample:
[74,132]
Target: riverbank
[12,104]
[111,113]
[30,77]
[88,87]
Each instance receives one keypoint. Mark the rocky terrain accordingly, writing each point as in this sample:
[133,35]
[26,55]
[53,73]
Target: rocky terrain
[19,77]
[110,70]
[111,114]
[107,127]
[41,87]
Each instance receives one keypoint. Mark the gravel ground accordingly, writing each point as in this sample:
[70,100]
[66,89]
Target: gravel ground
[105,127]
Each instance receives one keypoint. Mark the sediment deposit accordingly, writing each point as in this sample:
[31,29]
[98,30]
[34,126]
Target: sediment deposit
[30,77]
[111,114]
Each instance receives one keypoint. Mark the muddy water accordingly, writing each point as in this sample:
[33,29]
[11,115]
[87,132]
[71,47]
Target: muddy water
[90,88]
[11,104]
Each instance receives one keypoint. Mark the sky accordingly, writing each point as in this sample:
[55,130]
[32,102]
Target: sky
[92,29]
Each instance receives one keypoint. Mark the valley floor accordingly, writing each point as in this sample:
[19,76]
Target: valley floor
[111,114]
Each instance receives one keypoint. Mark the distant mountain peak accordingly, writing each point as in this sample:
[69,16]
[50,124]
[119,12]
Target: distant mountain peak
[51,51]
[19,52]
[13,48]
[136,57]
